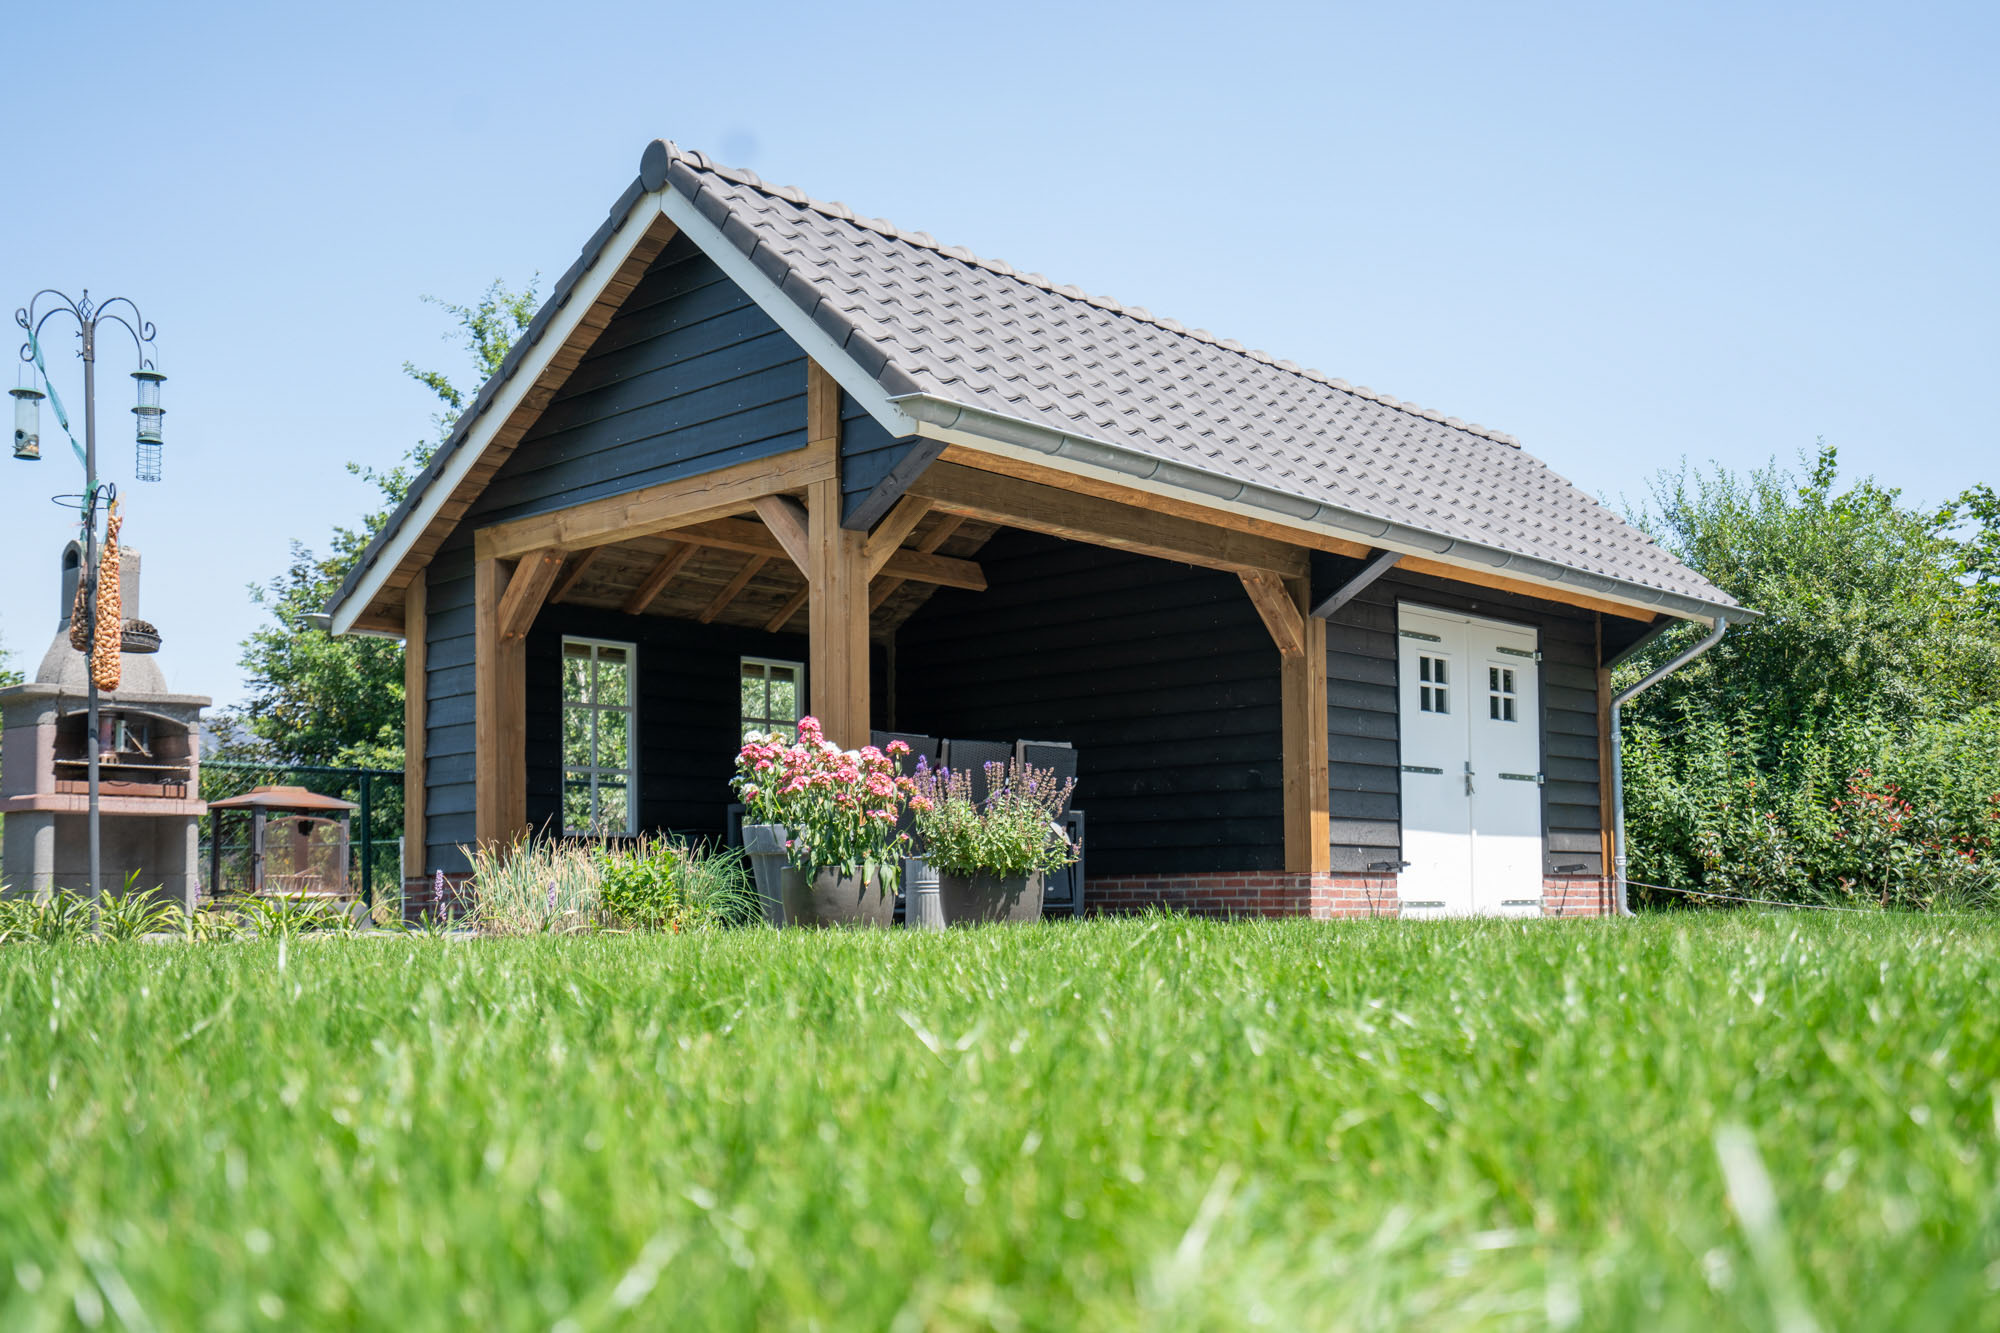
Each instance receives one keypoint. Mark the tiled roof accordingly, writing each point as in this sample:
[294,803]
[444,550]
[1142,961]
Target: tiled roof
[939,320]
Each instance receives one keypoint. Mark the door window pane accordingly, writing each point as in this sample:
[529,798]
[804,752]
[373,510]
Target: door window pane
[598,729]
[1431,698]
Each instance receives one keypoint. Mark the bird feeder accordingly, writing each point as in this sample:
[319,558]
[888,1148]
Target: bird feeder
[150,414]
[297,845]
[27,424]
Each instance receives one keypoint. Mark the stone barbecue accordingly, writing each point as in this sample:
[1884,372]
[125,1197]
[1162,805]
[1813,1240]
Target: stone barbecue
[149,768]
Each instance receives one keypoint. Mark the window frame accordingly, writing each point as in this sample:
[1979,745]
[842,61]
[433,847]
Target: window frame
[798,669]
[630,708]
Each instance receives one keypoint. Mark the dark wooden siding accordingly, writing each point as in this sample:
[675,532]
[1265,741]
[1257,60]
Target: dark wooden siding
[1161,675]
[868,455]
[448,669]
[690,376]
[1366,764]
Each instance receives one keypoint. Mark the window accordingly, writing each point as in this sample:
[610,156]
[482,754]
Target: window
[772,696]
[1500,694]
[599,738]
[1431,694]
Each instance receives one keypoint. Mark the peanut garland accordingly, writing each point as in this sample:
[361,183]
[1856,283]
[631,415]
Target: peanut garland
[104,654]
[79,615]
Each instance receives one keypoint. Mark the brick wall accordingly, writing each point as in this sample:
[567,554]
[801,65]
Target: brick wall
[420,898]
[1323,897]
[1266,893]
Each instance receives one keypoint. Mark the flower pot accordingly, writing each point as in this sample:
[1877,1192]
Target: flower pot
[969,899]
[921,909]
[764,844]
[833,899]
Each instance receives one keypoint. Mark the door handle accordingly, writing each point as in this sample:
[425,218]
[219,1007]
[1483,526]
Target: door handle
[1468,777]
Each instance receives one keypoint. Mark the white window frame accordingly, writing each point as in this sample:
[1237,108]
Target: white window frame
[798,670]
[631,711]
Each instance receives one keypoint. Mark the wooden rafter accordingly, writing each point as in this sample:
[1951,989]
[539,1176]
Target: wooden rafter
[752,538]
[894,529]
[732,589]
[662,574]
[885,588]
[1383,562]
[574,575]
[791,608]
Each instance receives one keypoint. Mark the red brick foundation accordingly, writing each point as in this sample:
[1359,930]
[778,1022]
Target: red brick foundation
[421,900]
[1318,895]
[1321,896]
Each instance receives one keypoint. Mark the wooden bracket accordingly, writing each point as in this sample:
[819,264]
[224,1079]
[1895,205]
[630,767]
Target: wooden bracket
[1280,612]
[777,623]
[887,539]
[1346,592]
[733,588]
[577,569]
[526,590]
[786,518]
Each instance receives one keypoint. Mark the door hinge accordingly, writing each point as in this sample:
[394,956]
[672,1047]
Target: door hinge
[1417,902]
[1535,656]
[1520,902]
[1419,634]
[1535,778]
[1420,768]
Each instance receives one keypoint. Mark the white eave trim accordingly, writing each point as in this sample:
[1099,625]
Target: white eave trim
[499,410]
[800,326]
[955,423]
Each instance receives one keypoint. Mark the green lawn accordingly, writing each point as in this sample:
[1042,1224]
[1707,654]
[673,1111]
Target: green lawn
[1146,1124]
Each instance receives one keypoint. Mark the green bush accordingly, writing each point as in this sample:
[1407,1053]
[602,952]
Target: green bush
[674,885]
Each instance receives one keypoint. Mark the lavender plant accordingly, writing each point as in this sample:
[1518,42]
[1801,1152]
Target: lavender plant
[1014,831]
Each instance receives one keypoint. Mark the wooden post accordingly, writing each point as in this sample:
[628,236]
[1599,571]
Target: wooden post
[1308,839]
[837,574]
[1607,810]
[416,652]
[500,668]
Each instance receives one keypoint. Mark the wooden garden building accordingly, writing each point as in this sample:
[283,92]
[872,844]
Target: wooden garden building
[1316,650]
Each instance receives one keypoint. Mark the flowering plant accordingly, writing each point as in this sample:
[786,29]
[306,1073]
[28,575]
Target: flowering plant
[839,807]
[1012,832]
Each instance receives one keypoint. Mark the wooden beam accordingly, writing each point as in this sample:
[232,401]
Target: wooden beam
[734,588]
[1152,501]
[1346,592]
[577,569]
[416,711]
[522,601]
[499,760]
[791,608]
[751,538]
[885,588]
[1087,518]
[887,539]
[786,518]
[381,622]
[837,658]
[918,454]
[1303,719]
[1413,564]
[1279,610]
[662,574]
[661,508]
[1607,810]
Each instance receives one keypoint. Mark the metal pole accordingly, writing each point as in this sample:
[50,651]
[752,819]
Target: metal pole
[1618,702]
[367,851]
[90,599]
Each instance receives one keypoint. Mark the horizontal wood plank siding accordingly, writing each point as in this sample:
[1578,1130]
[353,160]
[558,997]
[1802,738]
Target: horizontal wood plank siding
[448,729]
[1162,676]
[1363,719]
[689,377]
[868,453]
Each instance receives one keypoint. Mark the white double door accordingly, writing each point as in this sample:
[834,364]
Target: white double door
[1472,744]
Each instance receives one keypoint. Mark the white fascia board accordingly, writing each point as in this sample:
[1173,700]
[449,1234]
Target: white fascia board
[581,298]
[815,341]
[1385,538]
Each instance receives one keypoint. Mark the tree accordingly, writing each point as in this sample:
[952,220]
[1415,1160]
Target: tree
[8,676]
[317,699]
[1844,745]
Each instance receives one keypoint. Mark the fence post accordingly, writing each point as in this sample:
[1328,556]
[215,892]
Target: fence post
[367,848]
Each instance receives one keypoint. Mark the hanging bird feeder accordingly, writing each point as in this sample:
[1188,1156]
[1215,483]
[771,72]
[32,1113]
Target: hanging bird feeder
[150,414]
[28,424]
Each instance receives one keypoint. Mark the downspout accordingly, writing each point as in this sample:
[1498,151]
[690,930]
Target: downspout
[1618,749]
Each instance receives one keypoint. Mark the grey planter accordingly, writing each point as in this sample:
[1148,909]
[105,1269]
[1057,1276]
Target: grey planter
[764,844]
[973,899]
[833,899]
[921,908]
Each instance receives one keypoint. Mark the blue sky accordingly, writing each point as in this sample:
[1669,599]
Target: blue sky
[1627,234]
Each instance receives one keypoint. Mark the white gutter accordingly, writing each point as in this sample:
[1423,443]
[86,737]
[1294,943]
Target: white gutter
[955,423]
[1624,904]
